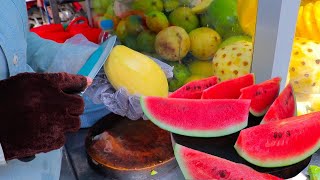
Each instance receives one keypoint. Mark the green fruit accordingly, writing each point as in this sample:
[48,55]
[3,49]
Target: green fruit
[204,43]
[145,41]
[101,6]
[223,16]
[131,42]
[201,68]
[180,74]
[172,43]
[121,30]
[156,21]
[184,18]
[170,5]
[314,172]
[147,6]
[134,24]
[205,20]
[234,39]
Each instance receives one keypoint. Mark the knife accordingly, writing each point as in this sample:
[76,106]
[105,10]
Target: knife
[97,59]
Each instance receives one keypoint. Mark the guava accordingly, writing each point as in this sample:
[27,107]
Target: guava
[201,68]
[204,43]
[156,21]
[170,5]
[234,39]
[172,43]
[145,41]
[147,5]
[180,74]
[134,24]
[184,18]
[131,42]
[101,6]
[121,30]
[223,16]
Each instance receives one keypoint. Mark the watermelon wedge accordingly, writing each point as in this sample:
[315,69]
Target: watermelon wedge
[283,107]
[228,89]
[196,165]
[197,117]
[193,90]
[282,142]
[262,95]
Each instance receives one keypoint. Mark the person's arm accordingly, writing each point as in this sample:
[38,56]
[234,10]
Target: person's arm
[48,56]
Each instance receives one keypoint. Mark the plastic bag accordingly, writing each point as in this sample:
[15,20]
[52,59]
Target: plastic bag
[120,102]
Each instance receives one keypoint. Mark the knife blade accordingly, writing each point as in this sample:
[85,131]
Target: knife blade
[97,59]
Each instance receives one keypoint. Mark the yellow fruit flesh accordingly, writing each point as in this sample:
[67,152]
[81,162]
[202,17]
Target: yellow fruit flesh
[310,22]
[136,72]
[316,10]
[201,7]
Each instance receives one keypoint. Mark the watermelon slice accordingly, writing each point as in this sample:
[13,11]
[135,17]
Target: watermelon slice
[282,142]
[193,90]
[197,117]
[198,165]
[283,107]
[228,89]
[262,95]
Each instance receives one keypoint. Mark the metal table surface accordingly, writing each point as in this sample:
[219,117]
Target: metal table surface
[76,167]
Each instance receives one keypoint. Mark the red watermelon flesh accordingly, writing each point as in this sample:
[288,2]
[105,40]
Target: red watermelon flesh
[197,117]
[282,142]
[228,89]
[262,95]
[283,107]
[196,165]
[193,90]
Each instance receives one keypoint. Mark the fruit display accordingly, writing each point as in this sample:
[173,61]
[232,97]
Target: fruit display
[140,75]
[198,165]
[262,95]
[197,117]
[283,107]
[228,89]
[185,31]
[280,143]
[233,60]
[194,89]
[282,139]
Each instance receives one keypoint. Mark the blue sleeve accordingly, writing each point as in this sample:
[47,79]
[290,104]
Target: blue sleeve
[40,52]
[48,56]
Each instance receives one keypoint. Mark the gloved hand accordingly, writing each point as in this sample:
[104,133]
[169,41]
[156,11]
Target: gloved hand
[36,110]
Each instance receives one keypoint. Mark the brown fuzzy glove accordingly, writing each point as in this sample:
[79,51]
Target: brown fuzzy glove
[36,110]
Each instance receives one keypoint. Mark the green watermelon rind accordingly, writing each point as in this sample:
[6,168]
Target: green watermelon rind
[270,163]
[295,106]
[177,154]
[193,133]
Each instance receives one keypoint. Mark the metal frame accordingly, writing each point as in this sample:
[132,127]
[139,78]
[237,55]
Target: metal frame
[275,28]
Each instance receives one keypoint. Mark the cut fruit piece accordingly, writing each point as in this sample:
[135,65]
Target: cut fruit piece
[197,117]
[283,107]
[193,90]
[280,143]
[196,165]
[229,89]
[314,172]
[262,95]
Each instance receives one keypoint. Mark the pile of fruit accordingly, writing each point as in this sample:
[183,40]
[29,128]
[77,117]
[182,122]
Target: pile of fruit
[206,108]
[200,38]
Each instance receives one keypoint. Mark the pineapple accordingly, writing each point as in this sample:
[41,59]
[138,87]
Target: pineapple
[304,68]
[233,60]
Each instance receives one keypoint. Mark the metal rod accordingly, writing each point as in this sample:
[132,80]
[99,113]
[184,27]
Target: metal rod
[55,11]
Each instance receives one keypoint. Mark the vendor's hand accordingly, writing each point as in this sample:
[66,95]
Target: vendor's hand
[36,110]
